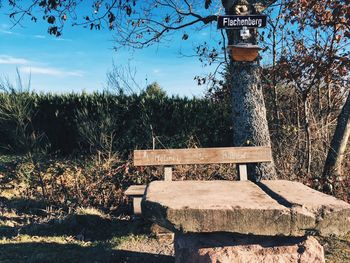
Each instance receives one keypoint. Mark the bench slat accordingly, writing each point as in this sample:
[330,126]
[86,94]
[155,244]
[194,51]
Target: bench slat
[203,156]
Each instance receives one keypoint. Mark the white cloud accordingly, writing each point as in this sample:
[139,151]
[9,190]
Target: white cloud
[156,71]
[4,59]
[39,36]
[51,71]
[62,39]
[6,29]
[30,67]
[52,38]
[7,32]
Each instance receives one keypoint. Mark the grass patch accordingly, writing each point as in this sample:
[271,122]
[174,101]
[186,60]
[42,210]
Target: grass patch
[337,249]
[25,248]
[91,211]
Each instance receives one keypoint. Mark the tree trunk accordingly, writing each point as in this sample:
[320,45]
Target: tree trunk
[249,115]
[336,152]
[307,133]
[250,125]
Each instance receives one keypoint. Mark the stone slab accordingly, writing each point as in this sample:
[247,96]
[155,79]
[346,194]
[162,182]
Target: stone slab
[212,206]
[270,208]
[330,216]
[231,248]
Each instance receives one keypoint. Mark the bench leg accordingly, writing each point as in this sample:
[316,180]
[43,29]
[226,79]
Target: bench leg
[137,205]
[243,172]
[168,173]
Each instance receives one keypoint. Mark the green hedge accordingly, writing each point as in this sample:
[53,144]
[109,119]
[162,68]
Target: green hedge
[174,120]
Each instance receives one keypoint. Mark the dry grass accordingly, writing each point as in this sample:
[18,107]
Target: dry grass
[91,211]
[337,249]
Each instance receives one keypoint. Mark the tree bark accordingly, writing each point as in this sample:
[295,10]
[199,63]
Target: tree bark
[250,127]
[336,152]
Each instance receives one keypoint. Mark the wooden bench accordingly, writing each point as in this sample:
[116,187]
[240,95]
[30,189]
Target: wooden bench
[168,158]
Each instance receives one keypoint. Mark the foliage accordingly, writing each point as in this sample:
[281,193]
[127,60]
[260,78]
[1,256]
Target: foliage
[307,79]
[92,136]
[94,182]
[74,123]
[86,182]
[96,129]
[16,117]
[82,124]
[154,90]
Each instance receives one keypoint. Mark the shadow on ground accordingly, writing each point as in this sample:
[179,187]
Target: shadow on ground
[23,206]
[88,227]
[52,252]
[30,217]
[30,232]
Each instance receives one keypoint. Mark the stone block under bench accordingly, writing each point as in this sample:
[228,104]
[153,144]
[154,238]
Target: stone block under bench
[234,216]
[232,248]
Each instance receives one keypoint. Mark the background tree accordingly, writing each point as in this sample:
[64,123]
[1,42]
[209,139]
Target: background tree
[335,156]
[320,61]
[333,17]
[154,90]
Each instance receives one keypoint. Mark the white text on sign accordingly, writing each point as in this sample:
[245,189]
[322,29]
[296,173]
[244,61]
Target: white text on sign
[251,21]
[242,22]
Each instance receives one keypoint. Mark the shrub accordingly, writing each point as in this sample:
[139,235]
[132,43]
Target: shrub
[89,122]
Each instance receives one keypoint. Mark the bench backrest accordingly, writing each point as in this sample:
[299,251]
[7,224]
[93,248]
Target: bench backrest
[169,157]
[237,155]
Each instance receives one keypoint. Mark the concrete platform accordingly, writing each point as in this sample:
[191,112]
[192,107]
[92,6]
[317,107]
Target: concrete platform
[270,209]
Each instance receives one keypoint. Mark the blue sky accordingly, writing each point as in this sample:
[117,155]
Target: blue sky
[79,60]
